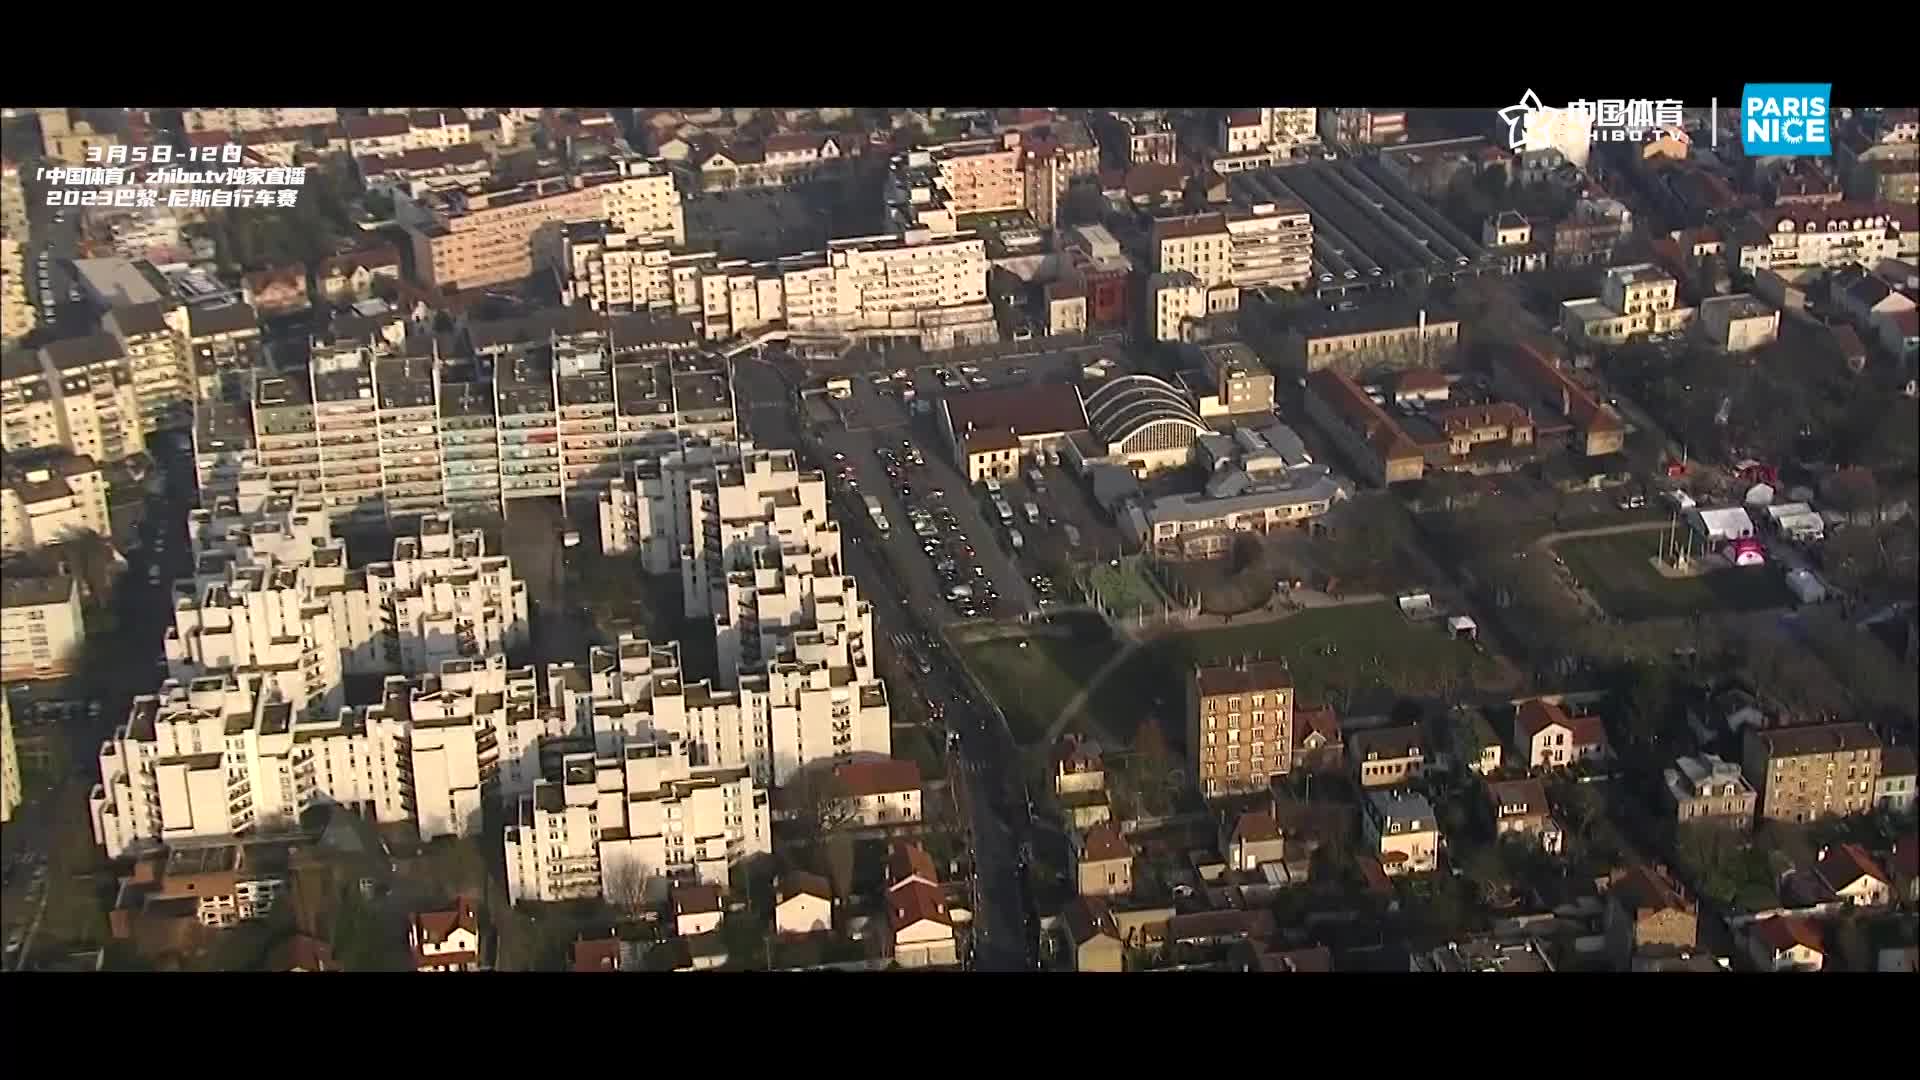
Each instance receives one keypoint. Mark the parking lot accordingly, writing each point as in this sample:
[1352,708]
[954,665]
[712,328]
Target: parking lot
[897,410]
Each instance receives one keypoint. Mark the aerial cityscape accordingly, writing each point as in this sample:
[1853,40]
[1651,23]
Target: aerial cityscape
[1283,539]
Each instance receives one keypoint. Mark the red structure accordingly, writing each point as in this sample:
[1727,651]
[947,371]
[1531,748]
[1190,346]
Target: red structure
[1107,299]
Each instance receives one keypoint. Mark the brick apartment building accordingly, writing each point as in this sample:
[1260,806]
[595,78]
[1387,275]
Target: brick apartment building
[1240,725]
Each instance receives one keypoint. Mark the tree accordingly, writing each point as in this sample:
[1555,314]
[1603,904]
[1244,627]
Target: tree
[1851,491]
[89,558]
[627,882]
[1647,693]
[1247,552]
[819,803]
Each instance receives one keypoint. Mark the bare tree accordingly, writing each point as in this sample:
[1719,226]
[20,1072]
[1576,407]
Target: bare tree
[625,884]
[819,803]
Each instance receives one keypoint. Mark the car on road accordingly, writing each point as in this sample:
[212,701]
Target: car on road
[979,380]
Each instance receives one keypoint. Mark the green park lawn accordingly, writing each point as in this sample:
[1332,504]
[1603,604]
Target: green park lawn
[1354,648]
[1616,570]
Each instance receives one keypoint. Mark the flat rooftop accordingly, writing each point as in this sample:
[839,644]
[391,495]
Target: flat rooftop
[117,282]
[703,391]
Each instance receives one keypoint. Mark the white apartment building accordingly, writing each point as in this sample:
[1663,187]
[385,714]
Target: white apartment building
[1280,130]
[1175,301]
[638,813]
[1739,323]
[1824,236]
[48,496]
[226,464]
[225,754]
[1270,245]
[806,707]
[256,119]
[30,411]
[273,597]
[41,627]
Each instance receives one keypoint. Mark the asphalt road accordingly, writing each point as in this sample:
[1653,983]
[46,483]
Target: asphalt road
[985,770]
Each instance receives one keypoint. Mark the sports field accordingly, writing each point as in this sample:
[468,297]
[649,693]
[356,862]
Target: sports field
[1619,573]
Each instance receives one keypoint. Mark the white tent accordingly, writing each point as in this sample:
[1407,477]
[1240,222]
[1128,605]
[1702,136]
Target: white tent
[1797,520]
[1806,586]
[1760,495]
[1723,524]
[1462,626]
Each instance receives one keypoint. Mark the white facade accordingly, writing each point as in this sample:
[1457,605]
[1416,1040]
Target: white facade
[276,599]
[1403,831]
[41,504]
[1173,301]
[10,789]
[1739,323]
[226,753]
[636,812]
[917,284]
[1824,236]
[41,627]
[757,552]
[254,119]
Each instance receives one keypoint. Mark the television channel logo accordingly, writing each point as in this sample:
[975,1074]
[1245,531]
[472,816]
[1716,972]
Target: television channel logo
[1786,119]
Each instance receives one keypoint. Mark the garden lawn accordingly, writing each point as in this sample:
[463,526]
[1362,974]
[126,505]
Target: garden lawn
[1034,685]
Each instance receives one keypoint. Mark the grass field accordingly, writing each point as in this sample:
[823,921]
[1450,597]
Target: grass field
[1356,648]
[1615,569]
[1033,685]
[1124,590]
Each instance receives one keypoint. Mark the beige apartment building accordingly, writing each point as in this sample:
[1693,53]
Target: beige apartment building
[257,119]
[29,410]
[978,177]
[1200,244]
[1240,725]
[10,789]
[1270,245]
[1706,789]
[1175,301]
[51,495]
[65,140]
[162,384]
[478,235]
[13,202]
[96,410]
[18,316]
[1634,300]
[1814,771]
